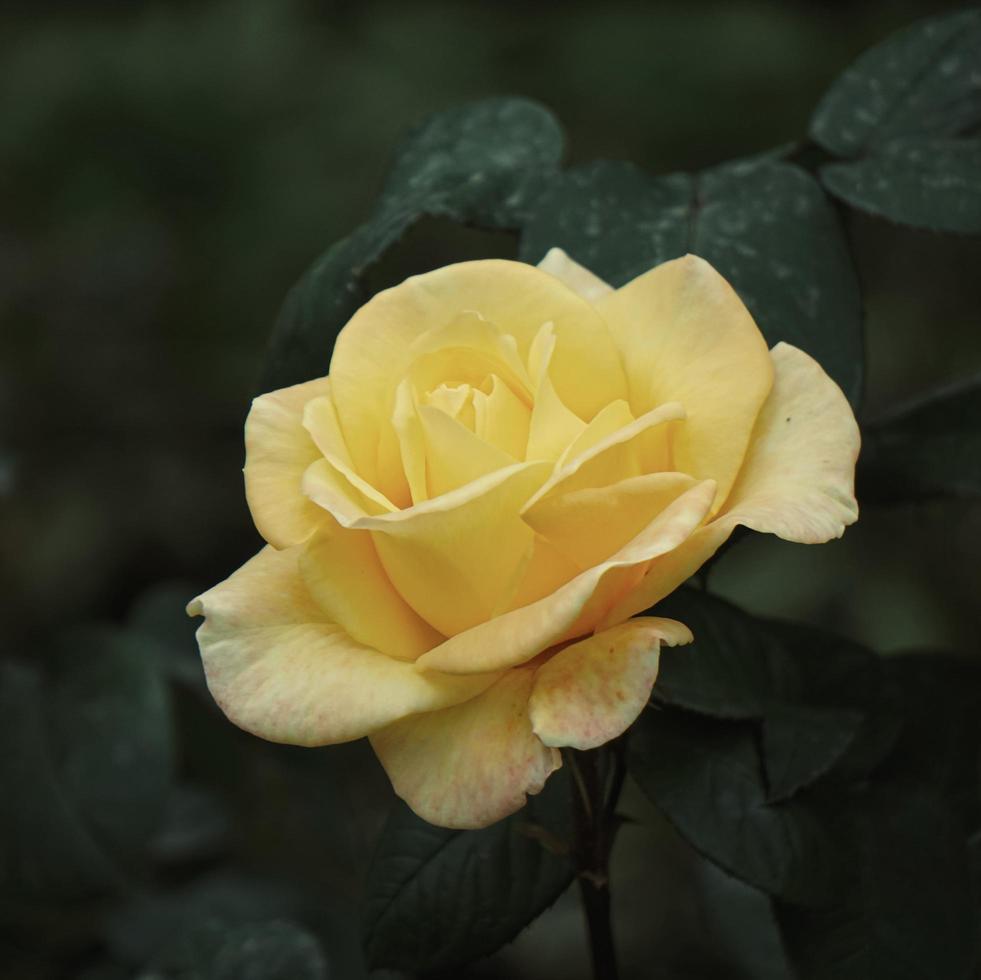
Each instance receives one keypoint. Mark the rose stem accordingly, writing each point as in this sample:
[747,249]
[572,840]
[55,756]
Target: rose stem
[593,808]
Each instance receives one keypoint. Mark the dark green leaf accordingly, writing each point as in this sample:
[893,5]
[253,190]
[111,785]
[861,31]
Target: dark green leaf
[801,744]
[741,926]
[933,184]
[922,81]
[324,299]
[111,722]
[765,225]
[734,669]
[940,743]
[481,163]
[612,217]
[45,849]
[895,115]
[821,697]
[908,913]
[928,448]
[707,778]
[153,927]
[840,675]
[88,763]
[270,951]
[159,615]
[194,826]
[438,898]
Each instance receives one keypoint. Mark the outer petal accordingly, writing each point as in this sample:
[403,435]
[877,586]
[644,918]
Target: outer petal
[517,636]
[278,450]
[471,765]
[591,692]
[345,578]
[685,336]
[280,669]
[577,277]
[797,482]
[374,350]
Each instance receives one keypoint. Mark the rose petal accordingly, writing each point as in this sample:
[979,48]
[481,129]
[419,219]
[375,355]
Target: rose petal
[319,418]
[685,336]
[280,669]
[609,420]
[544,570]
[278,451]
[468,344]
[553,426]
[797,481]
[591,692]
[501,419]
[454,455]
[374,351]
[577,277]
[572,610]
[639,446]
[345,578]
[471,765]
[452,558]
[411,441]
[341,493]
[590,525]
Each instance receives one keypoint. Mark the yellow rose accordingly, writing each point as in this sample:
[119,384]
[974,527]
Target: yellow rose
[504,465]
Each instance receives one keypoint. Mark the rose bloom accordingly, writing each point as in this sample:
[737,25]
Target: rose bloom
[503,466]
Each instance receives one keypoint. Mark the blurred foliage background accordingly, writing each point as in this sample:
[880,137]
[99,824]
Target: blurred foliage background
[167,171]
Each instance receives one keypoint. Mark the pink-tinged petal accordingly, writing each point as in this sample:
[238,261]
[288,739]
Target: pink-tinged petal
[797,481]
[591,692]
[473,764]
[572,610]
[685,336]
[375,349]
[279,668]
[278,450]
[345,578]
[577,277]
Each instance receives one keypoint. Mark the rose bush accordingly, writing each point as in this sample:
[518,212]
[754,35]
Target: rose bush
[503,466]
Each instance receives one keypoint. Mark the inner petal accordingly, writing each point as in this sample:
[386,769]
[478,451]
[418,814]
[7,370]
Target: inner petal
[454,455]
[639,447]
[456,401]
[501,418]
[589,525]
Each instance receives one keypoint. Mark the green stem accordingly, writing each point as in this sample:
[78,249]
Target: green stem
[593,807]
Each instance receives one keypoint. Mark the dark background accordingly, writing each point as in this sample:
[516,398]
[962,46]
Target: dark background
[167,171]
